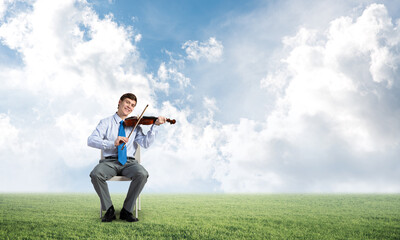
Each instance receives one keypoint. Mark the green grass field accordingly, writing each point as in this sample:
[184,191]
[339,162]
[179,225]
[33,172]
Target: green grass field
[219,216]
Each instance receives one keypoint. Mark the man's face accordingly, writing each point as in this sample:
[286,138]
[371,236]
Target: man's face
[126,106]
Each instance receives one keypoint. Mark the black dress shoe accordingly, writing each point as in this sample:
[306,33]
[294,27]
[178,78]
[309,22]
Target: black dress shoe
[110,215]
[125,215]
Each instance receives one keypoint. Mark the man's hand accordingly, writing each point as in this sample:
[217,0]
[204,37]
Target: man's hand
[120,140]
[160,120]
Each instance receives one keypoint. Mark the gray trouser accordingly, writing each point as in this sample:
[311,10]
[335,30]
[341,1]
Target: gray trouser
[108,168]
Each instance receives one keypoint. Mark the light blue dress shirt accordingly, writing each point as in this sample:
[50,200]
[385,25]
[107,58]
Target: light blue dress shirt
[103,137]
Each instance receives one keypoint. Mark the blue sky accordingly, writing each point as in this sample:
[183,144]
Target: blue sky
[270,96]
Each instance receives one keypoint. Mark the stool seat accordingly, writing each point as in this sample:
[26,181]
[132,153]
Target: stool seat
[119,178]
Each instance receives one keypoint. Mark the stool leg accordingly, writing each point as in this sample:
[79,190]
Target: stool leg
[136,209]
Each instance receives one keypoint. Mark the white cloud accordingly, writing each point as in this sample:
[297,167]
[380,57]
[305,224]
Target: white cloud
[337,110]
[183,156]
[172,73]
[74,67]
[211,50]
[210,104]
[138,37]
[324,83]
[372,34]
[57,57]
[74,129]
[29,160]
[4,4]
[9,136]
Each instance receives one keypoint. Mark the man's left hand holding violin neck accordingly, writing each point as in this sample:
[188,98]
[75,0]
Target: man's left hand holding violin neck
[160,120]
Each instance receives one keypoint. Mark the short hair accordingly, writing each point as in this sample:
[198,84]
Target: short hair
[128,95]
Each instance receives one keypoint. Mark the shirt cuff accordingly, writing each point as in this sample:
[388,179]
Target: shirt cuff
[153,128]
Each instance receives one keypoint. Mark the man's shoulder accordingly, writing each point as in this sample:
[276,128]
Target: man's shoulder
[107,119]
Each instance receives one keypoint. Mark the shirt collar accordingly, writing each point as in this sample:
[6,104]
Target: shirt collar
[117,118]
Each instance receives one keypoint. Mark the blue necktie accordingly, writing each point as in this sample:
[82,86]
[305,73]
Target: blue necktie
[121,153]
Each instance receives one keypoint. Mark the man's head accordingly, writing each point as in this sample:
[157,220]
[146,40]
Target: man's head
[126,104]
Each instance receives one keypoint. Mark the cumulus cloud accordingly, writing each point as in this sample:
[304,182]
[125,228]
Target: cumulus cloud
[138,37]
[9,136]
[73,68]
[172,73]
[335,118]
[60,48]
[3,7]
[183,158]
[29,159]
[211,50]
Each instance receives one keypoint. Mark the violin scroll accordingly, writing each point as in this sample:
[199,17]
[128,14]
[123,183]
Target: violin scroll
[171,121]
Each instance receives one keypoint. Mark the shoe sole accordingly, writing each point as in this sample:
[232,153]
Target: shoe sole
[108,220]
[134,219]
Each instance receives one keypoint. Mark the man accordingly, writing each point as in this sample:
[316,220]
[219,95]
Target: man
[110,135]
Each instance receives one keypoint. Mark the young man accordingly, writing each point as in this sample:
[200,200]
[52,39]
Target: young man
[110,135]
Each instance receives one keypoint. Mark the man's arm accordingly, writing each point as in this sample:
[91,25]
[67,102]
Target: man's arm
[97,138]
[146,140]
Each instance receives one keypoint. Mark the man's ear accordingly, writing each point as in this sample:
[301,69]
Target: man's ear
[119,102]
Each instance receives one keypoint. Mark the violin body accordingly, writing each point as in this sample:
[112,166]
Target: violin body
[145,120]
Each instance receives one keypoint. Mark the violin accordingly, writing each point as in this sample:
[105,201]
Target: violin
[145,120]
[134,121]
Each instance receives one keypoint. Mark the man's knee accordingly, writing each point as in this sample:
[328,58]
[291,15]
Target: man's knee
[96,174]
[92,174]
[143,174]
